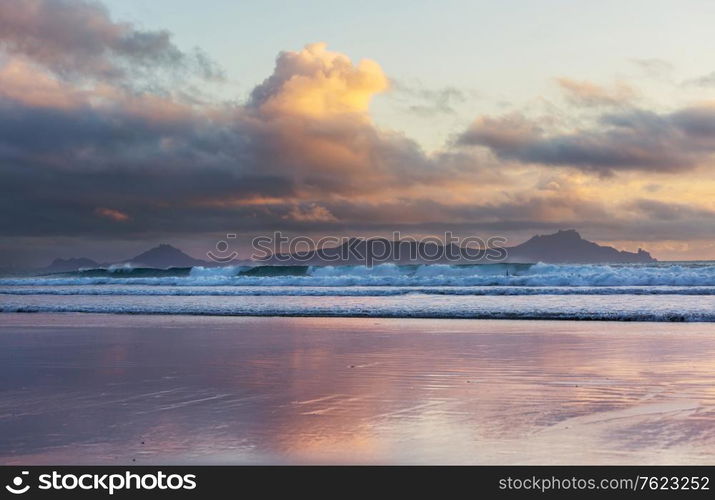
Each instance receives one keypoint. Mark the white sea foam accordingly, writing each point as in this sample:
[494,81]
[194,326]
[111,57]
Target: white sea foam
[212,272]
[654,292]
[577,307]
[348,291]
[538,275]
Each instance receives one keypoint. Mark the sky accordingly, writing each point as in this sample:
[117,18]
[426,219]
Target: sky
[127,123]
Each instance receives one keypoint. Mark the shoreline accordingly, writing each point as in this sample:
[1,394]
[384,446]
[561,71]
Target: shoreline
[585,317]
[528,319]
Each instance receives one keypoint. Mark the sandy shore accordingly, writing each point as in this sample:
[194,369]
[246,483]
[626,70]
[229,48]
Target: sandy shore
[83,389]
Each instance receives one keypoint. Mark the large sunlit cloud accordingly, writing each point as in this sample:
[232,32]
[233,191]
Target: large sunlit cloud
[318,82]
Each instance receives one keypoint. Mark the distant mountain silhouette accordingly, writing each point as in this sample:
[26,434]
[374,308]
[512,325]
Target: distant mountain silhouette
[358,251]
[161,257]
[72,264]
[165,256]
[566,246]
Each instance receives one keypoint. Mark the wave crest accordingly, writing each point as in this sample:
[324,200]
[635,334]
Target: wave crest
[523,275]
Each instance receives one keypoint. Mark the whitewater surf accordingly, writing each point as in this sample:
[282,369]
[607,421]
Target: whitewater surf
[625,292]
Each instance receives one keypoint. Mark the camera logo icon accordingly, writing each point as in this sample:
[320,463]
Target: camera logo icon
[16,487]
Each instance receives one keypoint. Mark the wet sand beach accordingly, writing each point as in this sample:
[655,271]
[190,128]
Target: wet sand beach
[133,389]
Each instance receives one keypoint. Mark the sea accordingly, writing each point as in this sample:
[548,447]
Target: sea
[663,291]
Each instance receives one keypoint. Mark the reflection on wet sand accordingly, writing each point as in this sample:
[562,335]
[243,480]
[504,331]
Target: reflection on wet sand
[138,389]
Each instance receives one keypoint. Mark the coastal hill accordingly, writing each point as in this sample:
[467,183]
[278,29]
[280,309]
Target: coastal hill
[161,257]
[164,256]
[567,246]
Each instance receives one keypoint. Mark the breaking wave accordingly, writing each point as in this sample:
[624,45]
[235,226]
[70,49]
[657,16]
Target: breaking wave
[434,275]
[629,292]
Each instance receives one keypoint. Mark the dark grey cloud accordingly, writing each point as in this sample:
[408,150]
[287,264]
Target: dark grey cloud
[62,168]
[79,39]
[668,211]
[632,139]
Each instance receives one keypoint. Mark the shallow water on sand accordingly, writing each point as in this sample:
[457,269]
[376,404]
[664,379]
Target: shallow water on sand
[173,389]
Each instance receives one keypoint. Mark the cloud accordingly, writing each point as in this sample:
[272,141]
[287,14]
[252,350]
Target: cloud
[88,151]
[112,214]
[303,138]
[317,82]
[427,102]
[310,213]
[584,93]
[654,67]
[668,211]
[21,81]
[78,39]
[631,139]
[702,81]
[504,133]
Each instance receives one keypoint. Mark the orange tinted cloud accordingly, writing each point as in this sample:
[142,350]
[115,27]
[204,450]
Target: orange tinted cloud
[312,213]
[318,82]
[586,93]
[23,82]
[28,84]
[110,213]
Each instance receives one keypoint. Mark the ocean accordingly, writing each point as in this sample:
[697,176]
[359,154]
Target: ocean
[664,291]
